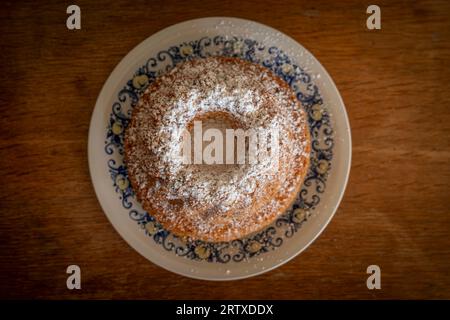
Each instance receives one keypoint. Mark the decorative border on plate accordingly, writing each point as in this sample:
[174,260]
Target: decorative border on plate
[314,184]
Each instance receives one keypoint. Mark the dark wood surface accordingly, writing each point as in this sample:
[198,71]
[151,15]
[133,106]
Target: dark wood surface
[395,213]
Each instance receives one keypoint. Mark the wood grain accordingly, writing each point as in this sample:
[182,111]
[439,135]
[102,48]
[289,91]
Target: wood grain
[395,83]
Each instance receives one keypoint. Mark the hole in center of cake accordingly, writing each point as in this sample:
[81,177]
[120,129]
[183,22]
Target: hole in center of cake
[213,143]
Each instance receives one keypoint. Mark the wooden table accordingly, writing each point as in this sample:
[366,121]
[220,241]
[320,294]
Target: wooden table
[396,210]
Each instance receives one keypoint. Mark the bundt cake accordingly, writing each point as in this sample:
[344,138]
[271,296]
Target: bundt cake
[219,201]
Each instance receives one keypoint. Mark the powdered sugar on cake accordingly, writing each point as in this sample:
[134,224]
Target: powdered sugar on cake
[218,202]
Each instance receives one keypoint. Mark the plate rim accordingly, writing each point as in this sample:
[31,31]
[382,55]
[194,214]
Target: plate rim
[97,108]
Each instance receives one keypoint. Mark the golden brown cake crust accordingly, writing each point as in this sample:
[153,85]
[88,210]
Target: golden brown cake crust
[203,203]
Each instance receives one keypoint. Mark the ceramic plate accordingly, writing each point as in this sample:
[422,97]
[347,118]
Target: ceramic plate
[324,184]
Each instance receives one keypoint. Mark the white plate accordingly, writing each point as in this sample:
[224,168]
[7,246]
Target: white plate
[323,188]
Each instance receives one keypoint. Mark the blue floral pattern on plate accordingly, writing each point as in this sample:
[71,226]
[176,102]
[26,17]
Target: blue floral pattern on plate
[314,184]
